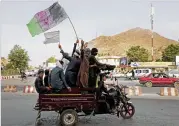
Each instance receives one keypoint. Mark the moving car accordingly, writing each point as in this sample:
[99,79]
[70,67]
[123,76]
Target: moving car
[159,79]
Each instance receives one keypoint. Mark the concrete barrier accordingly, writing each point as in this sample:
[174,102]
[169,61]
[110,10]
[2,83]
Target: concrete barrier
[10,88]
[133,91]
[29,89]
[10,77]
[166,91]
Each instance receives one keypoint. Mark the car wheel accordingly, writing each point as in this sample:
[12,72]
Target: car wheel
[148,84]
[176,84]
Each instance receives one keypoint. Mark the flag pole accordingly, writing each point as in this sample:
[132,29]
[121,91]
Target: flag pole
[73,27]
[71,23]
[75,34]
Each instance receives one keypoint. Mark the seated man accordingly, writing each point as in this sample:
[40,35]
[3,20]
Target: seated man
[40,88]
[57,78]
[109,99]
[72,68]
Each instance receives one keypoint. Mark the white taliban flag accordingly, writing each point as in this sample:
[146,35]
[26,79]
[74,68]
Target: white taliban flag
[52,37]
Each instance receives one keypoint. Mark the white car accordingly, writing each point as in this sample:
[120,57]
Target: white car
[173,73]
[118,75]
[139,73]
[30,73]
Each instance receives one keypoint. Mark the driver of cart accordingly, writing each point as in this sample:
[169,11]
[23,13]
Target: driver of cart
[72,68]
[109,98]
[57,78]
[40,88]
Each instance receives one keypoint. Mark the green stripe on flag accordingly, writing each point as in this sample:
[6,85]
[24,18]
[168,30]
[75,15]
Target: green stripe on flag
[34,27]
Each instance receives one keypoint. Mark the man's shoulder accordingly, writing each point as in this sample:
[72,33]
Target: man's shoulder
[37,79]
[91,57]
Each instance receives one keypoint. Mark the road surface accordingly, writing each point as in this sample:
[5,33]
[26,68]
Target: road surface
[17,110]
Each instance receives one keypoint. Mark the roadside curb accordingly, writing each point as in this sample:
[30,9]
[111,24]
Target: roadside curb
[10,77]
[154,96]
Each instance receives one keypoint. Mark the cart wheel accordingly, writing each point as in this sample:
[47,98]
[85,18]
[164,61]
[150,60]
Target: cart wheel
[127,114]
[69,117]
[148,84]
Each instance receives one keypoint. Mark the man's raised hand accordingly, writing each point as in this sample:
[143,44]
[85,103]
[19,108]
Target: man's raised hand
[59,46]
[77,41]
[82,42]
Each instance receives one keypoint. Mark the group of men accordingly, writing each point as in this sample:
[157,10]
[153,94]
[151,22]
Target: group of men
[56,79]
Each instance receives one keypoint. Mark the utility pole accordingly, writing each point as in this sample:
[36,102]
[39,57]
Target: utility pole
[152,37]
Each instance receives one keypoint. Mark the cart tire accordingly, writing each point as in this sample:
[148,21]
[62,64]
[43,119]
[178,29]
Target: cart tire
[130,112]
[148,84]
[176,84]
[69,117]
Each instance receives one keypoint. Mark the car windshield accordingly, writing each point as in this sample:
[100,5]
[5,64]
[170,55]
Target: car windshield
[156,75]
[173,72]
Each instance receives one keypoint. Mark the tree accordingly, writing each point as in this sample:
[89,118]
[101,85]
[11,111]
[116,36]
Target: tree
[4,61]
[170,52]
[158,60]
[52,59]
[137,54]
[18,58]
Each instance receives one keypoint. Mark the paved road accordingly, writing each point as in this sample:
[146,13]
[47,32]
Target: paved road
[17,111]
[31,80]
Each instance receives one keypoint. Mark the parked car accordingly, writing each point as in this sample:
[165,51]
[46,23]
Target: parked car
[139,73]
[159,79]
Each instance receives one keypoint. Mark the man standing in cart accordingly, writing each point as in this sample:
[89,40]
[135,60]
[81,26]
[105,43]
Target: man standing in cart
[72,68]
[94,68]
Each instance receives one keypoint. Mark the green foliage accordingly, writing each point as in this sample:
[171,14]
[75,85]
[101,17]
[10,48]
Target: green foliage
[51,60]
[4,61]
[30,67]
[8,72]
[158,60]
[137,54]
[170,52]
[8,66]
[18,58]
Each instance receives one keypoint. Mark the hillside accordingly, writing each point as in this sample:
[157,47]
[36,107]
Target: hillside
[120,43]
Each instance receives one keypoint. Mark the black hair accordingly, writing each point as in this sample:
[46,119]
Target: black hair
[94,50]
[61,62]
[47,72]
[40,71]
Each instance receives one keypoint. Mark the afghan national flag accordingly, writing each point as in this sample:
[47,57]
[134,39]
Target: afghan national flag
[46,19]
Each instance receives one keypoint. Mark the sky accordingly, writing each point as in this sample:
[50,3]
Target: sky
[91,18]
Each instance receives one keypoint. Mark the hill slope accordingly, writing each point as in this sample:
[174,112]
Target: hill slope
[120,43]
